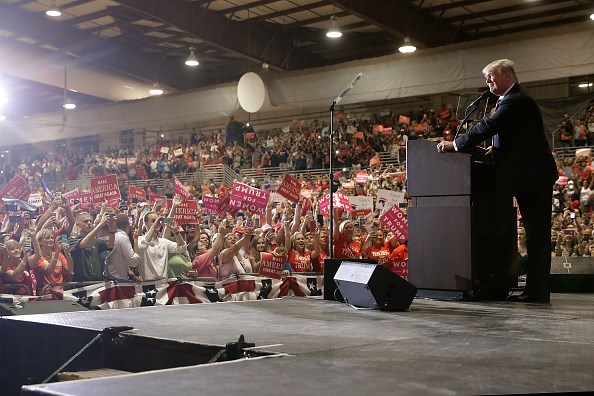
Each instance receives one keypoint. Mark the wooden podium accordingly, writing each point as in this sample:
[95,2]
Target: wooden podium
[461,237]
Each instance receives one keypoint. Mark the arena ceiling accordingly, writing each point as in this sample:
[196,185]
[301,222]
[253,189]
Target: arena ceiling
[128,43]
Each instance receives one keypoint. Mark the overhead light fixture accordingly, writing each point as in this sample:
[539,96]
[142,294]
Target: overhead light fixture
[585,85]
[592,16]
[334,31]
[53,10]
[192,60]
[407,46]
[69,105]
[156,90]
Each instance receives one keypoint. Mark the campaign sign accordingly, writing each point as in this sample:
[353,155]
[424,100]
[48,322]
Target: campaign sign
[290,188]
[248,198]
[361,177]
[178,152]
[397,222]
[272,266]
[339,201]
[360,205]
[400,268]
[186,212]
[157,198]
[71,196]
[210,203]
[136,192]
[180,189]
[35,199]
[305,204]
[223,207]
[17,188]
[86,199]
[105,188]
[388,198]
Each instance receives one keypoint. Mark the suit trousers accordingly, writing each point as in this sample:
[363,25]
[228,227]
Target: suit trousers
[535,208]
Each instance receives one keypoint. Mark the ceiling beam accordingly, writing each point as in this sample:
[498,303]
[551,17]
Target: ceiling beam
[272,47]
[403,19]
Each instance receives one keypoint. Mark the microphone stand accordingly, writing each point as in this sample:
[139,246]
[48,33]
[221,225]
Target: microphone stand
[331,171]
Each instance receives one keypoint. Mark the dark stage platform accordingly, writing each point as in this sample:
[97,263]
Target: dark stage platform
[324,347]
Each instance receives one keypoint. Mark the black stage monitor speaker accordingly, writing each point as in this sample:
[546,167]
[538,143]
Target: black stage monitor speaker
[373,286]
[40,307]
[331,292]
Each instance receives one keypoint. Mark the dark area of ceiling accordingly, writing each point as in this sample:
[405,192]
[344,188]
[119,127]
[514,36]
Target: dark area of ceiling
[150,39]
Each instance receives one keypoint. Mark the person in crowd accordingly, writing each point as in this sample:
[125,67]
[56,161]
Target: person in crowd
[377,247]
[89,246]
[344,244]
[259,244]
[204,264]
[122,261]
[231,259]
[299,258]
[55,265]
[524,168]
[154,249]
[16,269]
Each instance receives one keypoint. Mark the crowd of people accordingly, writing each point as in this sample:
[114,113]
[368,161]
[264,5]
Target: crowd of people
[141,241]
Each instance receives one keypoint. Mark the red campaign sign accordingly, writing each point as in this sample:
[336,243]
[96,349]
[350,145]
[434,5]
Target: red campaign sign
[248,198]
[186,212]
[374,161]
[86,199]
[136,192]
[17,188]
[377,128]
[404,120]
[71,196]
[105,188]
[210,203]
[271,266]
[400,268]
[290,188]
[358,135]
[397,222]
[154,198]
[305,204]
[361,177]
[387,131]
[223,207]
[339,201]
[180,189]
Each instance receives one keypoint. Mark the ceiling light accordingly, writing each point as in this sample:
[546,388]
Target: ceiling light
[192,60]
[334,31]
[592,16]
[2,117]
[585,85]
[407,47]
[156,90]
[53,10]
[69,105]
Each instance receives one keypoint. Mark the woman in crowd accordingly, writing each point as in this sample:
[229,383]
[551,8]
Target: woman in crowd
[15,268]
[377,247]
[55,264]
[299,258]
[344,244]
[204,264]
[259,244]
[233,258]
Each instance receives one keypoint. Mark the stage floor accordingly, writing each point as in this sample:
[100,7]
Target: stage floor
[436,347]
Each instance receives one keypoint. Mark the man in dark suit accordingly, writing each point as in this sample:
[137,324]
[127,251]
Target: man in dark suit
[524,168]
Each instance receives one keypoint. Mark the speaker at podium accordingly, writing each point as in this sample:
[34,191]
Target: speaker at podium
[373,286]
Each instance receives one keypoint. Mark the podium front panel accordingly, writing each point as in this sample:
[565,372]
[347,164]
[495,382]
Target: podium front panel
[440,243]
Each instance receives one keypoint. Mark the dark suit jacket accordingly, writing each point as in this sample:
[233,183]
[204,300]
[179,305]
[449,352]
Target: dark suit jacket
[523,161]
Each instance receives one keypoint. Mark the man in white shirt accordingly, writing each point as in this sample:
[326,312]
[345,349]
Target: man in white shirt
[154,250]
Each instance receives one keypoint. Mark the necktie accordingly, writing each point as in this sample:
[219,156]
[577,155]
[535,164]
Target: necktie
[496,137]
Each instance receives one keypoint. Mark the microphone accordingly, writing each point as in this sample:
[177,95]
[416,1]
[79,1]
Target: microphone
[484,95]
[348,88]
